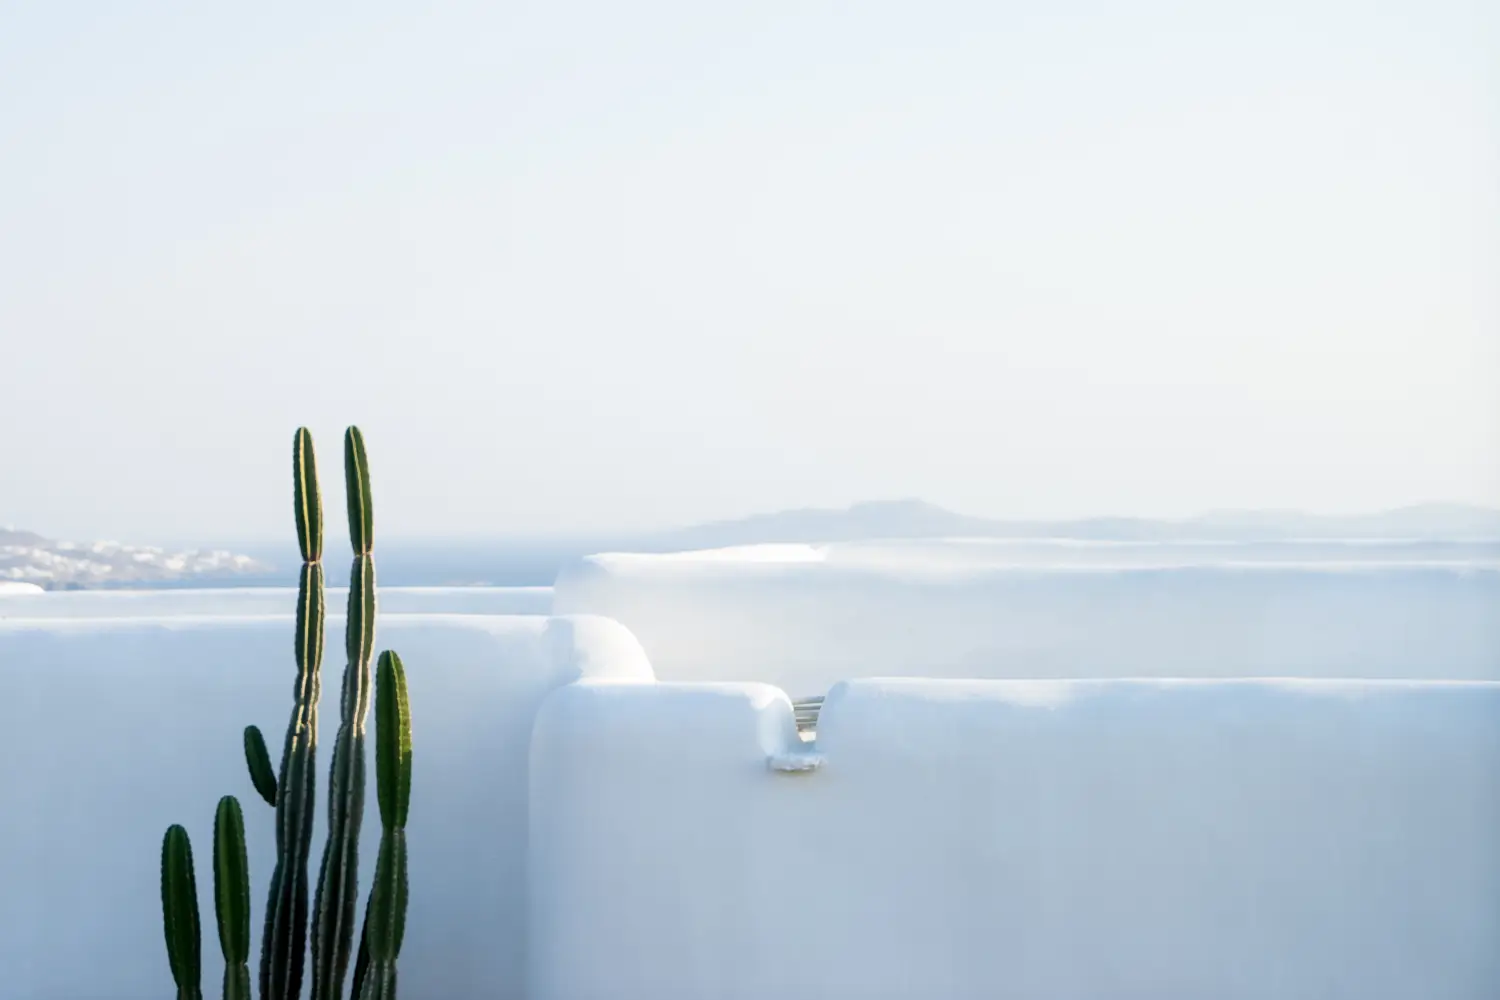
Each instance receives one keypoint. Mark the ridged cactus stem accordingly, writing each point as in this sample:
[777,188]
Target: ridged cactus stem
[283,944]
[361,959]
[179,909]
[334,907]
[385,915]
[232,897]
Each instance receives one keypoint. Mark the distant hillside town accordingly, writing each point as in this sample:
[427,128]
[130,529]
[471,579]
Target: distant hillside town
[26,557]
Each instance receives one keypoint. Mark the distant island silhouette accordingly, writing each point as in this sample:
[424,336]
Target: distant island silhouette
[919,519]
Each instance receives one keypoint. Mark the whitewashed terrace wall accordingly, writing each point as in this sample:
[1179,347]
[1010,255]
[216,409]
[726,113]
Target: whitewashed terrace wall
[804,622]
[111,730]
[1056,841]
[1106,840]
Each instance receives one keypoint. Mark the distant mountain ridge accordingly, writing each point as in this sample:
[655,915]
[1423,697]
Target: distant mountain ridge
[919,519]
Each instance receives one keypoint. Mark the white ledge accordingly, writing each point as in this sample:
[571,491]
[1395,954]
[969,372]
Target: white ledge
[792,762]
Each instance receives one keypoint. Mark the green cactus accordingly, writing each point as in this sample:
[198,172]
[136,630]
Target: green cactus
[338,879]
[179,907]
[232,897]
[362,960]
[385,913]
[293,794]
[284,942]
[179,904]
[259,763]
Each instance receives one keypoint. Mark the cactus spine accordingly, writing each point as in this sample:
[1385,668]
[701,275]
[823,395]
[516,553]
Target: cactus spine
[283,945]
[334,907]
[232,897]
[179,908]
[385,913]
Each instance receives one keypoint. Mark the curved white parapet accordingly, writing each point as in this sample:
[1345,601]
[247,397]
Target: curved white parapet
[591,648]
[1240,840]
[113,729]
[806,620]
[16,588]
[239,601]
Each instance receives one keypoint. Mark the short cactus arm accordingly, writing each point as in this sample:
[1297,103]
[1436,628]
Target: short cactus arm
[232,897]
[179,907]
[259,763]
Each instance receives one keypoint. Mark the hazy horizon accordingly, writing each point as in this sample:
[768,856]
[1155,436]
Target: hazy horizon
[284,542]
[582,270]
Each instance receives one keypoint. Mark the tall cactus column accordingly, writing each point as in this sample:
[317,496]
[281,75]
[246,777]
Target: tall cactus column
[333,911]
[283,945]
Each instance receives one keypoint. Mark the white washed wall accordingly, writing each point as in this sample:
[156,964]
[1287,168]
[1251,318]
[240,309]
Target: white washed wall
[804,618]
[1054,841]
[111,730]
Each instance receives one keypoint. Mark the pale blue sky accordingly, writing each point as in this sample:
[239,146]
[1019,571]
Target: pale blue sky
[580,266]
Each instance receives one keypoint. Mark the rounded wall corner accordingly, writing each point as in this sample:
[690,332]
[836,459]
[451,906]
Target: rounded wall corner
[595,648]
